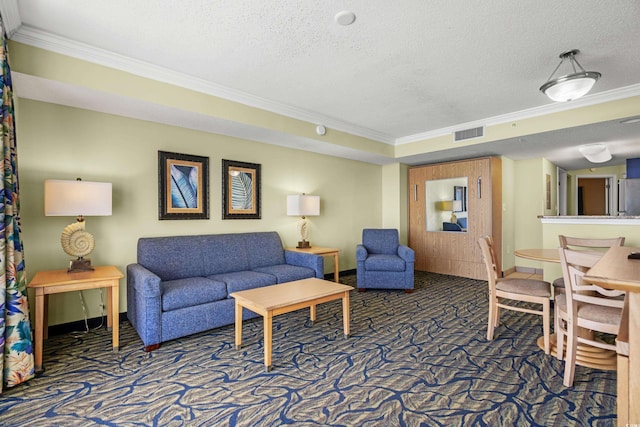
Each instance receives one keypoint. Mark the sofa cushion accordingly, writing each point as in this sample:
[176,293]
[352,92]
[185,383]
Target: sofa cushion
[224,253]
[243,280]
[264,249]
[182,293]
[172,258]
[287,273]
[384,263]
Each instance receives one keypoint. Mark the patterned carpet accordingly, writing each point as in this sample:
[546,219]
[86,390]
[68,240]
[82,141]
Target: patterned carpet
[417,359]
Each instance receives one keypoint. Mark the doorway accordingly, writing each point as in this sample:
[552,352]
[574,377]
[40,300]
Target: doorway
[594,195]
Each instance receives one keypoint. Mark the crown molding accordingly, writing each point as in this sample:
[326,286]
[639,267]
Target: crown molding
[10,16]
[44,40]
[557,107]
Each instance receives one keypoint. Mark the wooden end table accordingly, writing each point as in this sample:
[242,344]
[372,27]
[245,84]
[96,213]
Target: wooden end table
[45,283]
[317,250]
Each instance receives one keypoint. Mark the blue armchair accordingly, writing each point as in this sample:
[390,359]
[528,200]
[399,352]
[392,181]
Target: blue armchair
[382,262]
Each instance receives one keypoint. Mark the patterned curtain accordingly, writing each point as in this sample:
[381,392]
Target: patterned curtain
[16,342]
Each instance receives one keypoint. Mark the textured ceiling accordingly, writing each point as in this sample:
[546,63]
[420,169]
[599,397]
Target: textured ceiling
[402,69]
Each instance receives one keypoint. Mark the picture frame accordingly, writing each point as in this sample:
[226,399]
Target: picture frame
[183,186]
[460,193]
[241,190]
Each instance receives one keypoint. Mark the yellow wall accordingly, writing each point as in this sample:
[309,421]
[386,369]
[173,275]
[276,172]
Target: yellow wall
[394,195]
[508,213]
[65,143]
[529,204]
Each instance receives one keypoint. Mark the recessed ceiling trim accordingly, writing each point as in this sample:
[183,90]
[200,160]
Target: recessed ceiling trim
[597,98]
[44,40]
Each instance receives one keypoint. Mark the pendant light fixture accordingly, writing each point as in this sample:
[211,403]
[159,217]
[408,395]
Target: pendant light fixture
[570,86]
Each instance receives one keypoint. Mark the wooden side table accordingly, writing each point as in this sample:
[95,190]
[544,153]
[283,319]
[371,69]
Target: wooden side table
[324,252]
[57,281]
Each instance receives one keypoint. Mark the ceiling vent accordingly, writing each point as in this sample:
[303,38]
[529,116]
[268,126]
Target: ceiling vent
[463,135]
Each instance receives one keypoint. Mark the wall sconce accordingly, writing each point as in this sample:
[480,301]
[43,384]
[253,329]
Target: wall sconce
[450,205]
[77,198]
[303,205]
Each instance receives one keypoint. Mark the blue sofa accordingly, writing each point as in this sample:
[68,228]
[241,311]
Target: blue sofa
[181,284]
[382,262]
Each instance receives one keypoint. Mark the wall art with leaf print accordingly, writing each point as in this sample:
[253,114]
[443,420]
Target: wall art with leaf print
[183,186]
[240,190]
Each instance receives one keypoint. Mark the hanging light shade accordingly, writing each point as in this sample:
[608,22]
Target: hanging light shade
[570,86]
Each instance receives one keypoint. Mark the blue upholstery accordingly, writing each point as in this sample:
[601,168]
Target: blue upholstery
[181,284]
[382,262]
[462,222]
[451,226]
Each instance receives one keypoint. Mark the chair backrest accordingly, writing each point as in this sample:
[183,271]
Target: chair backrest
[451,226]
[574,264]
[381,240]
[489,257]
[580,242]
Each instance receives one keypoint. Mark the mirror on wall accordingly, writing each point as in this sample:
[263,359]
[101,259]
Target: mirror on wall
[446,204]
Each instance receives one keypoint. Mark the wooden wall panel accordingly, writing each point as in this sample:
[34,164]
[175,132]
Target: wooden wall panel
[457,253]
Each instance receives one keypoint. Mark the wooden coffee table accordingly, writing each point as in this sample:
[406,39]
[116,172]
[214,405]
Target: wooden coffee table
[270,301]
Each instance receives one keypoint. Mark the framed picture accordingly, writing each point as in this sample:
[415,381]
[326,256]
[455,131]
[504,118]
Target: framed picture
[240,190]
[183,186]
[460,193]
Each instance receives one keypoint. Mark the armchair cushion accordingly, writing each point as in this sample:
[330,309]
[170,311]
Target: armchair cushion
[384,263]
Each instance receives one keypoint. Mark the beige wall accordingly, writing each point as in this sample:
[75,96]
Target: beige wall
[65,143]
[394,195]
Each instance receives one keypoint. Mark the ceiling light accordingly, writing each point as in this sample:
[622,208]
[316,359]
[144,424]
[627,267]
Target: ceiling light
[570,86]
[595,153]
[630,120]
[345,17]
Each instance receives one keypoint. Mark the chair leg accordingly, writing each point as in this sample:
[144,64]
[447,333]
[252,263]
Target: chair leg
[546,326]
[570,358]
[559,331]
[491,321]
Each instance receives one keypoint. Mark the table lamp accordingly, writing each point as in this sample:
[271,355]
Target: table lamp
[451,205]
[77,198]
[303,205]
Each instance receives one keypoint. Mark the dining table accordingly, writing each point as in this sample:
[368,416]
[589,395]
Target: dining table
[615,270]
[586,355]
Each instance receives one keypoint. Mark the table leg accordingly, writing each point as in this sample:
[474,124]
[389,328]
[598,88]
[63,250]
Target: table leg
[39,328]
[115,314]
[238,326]
[45,318]
[336,269]
[109,309]
[268,325]
[634,356]
[346,321]
[312,313]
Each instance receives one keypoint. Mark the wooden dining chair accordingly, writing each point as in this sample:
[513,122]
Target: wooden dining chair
[583,305]
[515,290]
[587,244]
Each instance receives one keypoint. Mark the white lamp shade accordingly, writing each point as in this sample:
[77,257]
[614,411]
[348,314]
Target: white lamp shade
[595,153]
[570,89]
[74,198]
[303,205]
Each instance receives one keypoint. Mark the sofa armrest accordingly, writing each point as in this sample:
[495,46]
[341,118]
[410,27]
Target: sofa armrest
[361,253]
[406,253]
[145,282]
[301,259]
